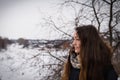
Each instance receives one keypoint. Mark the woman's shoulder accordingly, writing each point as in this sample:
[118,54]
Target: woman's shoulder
[110,73]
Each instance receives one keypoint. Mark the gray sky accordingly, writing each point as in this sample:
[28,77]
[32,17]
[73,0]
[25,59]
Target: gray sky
[24,18]
[21,18]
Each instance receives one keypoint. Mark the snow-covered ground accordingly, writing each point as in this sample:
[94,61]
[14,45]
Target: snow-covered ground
[18,63]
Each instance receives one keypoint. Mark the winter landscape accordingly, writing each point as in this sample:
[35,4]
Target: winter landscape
[18,62]
[35,35]
[21,62]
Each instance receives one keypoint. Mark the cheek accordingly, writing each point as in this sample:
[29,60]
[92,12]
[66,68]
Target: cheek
[78,44]
[77,49]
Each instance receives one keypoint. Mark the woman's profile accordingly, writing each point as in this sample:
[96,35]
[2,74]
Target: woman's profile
[89,57]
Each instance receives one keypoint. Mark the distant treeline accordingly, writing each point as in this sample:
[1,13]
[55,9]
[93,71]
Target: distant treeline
[4,42]
[58,44]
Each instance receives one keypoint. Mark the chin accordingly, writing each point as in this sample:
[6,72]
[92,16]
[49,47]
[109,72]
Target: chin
[76,51]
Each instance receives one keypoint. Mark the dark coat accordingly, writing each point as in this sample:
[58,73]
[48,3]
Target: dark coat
[109,74]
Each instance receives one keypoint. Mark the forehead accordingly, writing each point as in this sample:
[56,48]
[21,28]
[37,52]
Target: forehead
[75,34]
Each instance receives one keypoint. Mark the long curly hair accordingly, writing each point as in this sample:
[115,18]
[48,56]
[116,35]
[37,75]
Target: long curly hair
[95,55]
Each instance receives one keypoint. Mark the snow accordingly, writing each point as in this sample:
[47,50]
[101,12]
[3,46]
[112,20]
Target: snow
[18,63]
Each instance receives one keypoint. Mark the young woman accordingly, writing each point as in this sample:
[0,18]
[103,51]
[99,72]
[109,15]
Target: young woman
[90,57]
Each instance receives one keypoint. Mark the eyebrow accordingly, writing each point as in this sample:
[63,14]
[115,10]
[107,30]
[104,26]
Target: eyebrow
[75,37]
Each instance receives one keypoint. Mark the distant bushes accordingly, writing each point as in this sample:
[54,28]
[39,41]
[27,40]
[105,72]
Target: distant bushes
[57,44]
[24,42]
[4,42]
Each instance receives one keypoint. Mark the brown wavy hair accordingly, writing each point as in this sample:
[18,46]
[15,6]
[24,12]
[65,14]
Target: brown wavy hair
[95,55]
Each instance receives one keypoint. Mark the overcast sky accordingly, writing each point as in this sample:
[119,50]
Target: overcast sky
[24,18]
[21,18]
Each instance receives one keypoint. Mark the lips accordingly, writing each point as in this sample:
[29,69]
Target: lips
[76,48]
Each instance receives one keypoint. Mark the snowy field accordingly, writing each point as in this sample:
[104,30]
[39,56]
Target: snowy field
[18,63]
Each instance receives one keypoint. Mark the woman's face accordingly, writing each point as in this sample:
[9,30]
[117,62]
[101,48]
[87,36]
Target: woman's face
[76,42]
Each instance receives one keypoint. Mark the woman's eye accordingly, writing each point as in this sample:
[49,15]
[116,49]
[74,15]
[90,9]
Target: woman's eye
[75,39]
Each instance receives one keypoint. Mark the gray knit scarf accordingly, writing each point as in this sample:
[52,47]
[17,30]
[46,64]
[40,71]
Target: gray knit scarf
[75,61]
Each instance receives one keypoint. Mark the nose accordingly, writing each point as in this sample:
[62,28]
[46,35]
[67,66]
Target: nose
[73,43]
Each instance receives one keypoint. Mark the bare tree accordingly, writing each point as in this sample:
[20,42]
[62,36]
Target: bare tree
[97,12]
[101,13]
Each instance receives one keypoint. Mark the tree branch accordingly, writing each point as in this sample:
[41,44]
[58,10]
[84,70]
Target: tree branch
[106,1]
[55,57]
[77,3]
[95,13]
[59,29]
